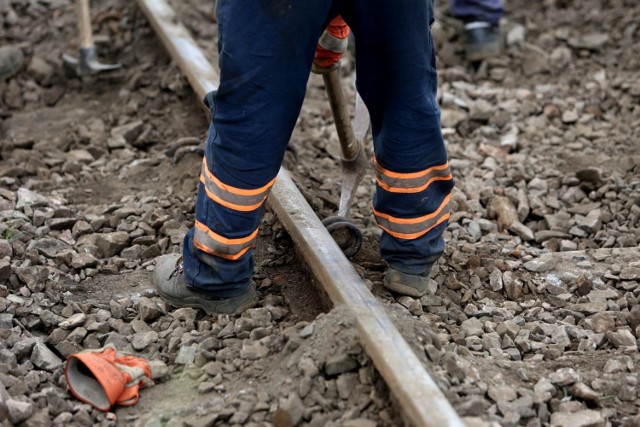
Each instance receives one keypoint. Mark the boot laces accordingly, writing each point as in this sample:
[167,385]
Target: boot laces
[178,269]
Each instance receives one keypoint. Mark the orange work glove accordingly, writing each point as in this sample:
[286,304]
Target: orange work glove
[332,45]
[103,378]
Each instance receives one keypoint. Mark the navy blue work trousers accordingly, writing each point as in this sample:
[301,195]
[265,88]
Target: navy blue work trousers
[266,50]
[477,10]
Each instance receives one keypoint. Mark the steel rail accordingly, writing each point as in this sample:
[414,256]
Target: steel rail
[417,394]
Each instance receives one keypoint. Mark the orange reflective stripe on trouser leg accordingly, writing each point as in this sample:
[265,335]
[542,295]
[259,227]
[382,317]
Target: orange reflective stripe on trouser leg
[214,244]
[414,182]
[412,228]
[238,199]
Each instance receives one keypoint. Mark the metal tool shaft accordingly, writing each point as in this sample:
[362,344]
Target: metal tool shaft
[348,142]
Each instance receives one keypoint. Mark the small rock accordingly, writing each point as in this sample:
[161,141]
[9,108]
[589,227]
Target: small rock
[584,392]
[522,231]
[44,358]
[186,355]
[6,251]
[142,340]
[564,376]
[253,351]
[340,363]
[593,41]
[290,413]
[501,393]
[19,411]
[534,59]
[74,321]
[584,418]
[5,269]
[516,35]
[502,208]
[83,260]
[495,280]
[512,285]
[541,264]
[591,223]
[148,309]
[472,327]
[630,273]
[621,338]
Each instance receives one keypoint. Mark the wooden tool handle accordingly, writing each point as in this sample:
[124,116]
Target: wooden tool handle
[84,24]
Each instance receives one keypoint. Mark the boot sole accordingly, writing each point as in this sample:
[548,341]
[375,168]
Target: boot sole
[205,305]
[404,289]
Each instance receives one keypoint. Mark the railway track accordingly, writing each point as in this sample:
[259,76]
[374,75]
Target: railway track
[420,400]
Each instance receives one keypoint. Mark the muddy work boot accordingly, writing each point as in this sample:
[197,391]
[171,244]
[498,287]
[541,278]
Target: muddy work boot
[11,60]
[482,41]
[407,284]
[169,280]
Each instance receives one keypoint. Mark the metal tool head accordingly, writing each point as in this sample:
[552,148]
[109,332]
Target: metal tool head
[87,63]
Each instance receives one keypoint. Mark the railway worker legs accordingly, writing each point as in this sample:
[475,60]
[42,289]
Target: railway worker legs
[266,51]
[396,77]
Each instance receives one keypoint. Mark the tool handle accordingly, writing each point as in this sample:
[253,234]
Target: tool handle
[84,24]
[348,142]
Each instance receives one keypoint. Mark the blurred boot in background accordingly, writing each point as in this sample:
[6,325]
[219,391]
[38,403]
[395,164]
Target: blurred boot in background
[481,26]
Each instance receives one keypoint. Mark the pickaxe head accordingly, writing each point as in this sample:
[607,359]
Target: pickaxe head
[87,63]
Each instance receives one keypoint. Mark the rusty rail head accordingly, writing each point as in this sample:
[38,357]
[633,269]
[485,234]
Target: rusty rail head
[419,397]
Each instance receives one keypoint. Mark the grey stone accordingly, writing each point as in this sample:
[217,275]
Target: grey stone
[472,327]
[118,311]
[495,280]
[564,376]
[630,273]
[591,223]
[584,418]
[346,384]
[253,351]
[83,260]
[185,314]
[290,413]
[561,337]
[593,41]
[74,321]
[49,247]
[34,277]
[149,310]
[60,223]
[544,263]
[621,338]
[6,251]
[340,363]
[522,231]
[584,392]
[522,406]
[186,355]
[516,35]
[513,286]
[6,320]
[260,316]
[612,366]
[19,411]
[501,392]
[28,197]
[5,269]
[44,358]
[142,340]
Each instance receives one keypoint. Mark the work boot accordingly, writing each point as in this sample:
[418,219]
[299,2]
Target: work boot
[11,60]
[172,287]
[407,284]
[482,41]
